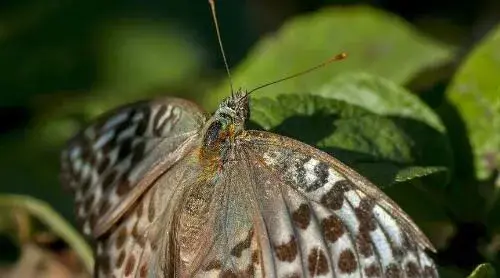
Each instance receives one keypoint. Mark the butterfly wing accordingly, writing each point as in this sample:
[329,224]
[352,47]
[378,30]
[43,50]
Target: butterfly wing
[330,219]
[280,208]
[111,164]
[188,224]
[139,245]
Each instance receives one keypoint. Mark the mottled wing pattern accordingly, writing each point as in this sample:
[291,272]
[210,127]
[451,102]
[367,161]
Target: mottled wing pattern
[217,227]
[112,163]
[280,208]
[126,249]
[275,207]
[328,221]
[138,242]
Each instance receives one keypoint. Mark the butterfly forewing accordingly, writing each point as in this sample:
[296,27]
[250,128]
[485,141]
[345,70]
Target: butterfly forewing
[104,163]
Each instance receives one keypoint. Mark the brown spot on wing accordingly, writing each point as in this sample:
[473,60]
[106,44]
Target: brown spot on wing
[397,252]
[392,271]
[302,216]
[141,240]
[245,244]
[364,213]
[255,257]
[412,270]
[120,239]
[129,266]
[363,241]
[121,259]
[334,198]
[408,244]
[373,270]
[123,185]
[367,223]
[347,261]
[213,265]
[332,228]
[250,271]
[317,263]
[287,251]
[228,274]
[143,270]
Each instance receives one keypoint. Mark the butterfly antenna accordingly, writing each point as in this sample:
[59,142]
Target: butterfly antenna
[337,57]
[214,16]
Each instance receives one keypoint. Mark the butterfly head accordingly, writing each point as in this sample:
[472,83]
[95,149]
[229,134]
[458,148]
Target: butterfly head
[227,122]
[235,107]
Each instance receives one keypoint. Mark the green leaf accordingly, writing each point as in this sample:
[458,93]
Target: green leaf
[375,41]
[380,96]
[385,148]
[483,271]
[416,172]
[140,56]
[53,221]
[475,92]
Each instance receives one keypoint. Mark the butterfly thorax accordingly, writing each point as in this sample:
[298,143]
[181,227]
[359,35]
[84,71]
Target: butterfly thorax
[222,128]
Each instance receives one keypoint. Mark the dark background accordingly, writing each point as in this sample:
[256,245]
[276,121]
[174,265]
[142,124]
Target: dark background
[54,51]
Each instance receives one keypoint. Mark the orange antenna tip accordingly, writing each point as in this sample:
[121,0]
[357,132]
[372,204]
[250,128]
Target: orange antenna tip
[337,57]
[340,56]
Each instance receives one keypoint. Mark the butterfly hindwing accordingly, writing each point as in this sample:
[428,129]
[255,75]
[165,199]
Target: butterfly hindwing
[337,214]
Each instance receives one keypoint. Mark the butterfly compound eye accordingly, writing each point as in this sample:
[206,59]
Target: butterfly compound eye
[213,135]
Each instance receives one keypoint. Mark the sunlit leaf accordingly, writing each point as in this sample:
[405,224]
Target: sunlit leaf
[475,91]
[483,271]
[377,43]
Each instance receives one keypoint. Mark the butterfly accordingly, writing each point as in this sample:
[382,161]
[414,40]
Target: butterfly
[162,189]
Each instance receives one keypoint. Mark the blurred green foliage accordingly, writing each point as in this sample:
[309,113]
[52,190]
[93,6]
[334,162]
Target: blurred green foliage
[474,90]
[415,108]
[376,42]
[483,271]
